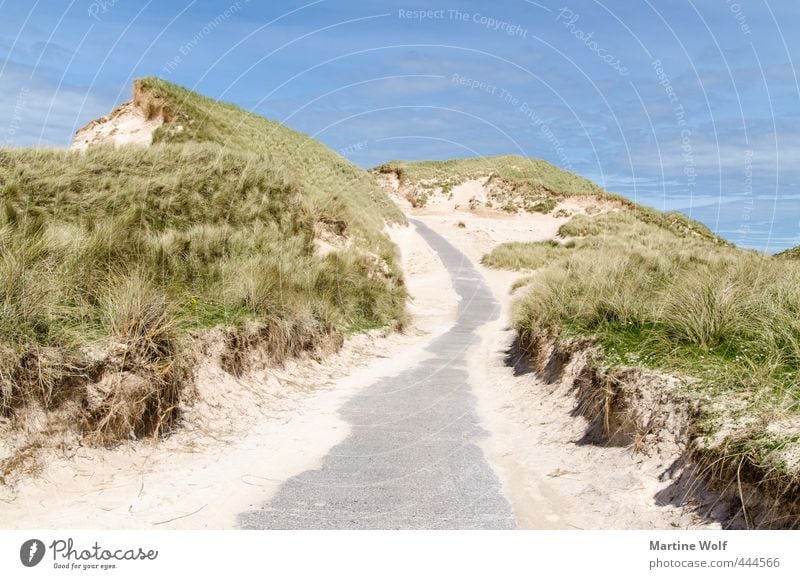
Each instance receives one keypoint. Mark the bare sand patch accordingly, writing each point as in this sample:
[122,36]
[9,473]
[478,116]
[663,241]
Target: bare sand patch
[128,124]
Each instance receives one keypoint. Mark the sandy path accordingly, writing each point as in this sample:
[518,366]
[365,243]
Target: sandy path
[411,460]
[552,481]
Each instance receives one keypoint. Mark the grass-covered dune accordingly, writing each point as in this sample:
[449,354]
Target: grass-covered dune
[535,174]
[111,258]
[517,183]
[725,320]
[333,186]
[513,182]
[791,253]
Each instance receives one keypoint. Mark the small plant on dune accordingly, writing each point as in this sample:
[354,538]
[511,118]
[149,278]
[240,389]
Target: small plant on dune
[542,206]
[146,372]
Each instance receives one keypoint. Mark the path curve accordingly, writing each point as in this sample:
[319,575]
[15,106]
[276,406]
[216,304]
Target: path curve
[411,460]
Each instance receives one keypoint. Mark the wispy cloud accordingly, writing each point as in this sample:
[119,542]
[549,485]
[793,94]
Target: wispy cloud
[36,111]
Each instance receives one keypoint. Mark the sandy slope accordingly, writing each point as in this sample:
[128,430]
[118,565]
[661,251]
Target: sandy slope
[125,125]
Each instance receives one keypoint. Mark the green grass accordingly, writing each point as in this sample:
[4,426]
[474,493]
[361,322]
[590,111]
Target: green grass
[213,225]
[617,223]
[217,229]
[333,186]
[519,255]
[671,298]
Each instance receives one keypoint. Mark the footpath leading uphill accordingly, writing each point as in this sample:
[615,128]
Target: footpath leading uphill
[196,293]
[411,460]
[669,340]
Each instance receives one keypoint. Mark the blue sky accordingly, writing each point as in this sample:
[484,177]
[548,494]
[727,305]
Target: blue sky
[679,104]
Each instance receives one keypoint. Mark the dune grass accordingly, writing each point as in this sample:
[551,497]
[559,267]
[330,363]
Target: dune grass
[791,253]
[535,175]
[111,258]
[332,185]
[520,255]
[617,223]
[517,183]
[658,297]
[513,183]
